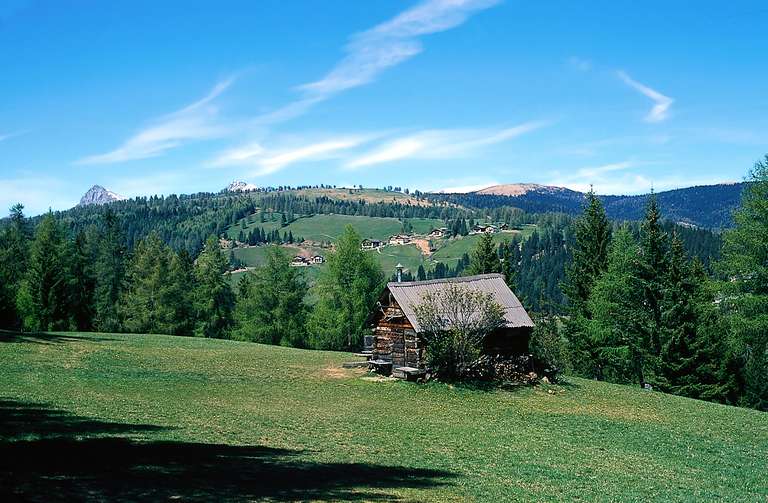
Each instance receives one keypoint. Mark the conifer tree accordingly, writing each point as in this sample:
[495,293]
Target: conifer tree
[421,275]
[143,305]
[592,238]
[745,265]
[270,303]
[652,270]
[508,264]
[82,283]
[485,259]
[14,241]
[346,291]
[110,270]
[43,300]
[617,345]
[214,300]
[178,295]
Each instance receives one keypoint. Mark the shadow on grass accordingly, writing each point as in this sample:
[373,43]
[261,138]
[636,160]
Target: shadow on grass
[50,455]
[46,337]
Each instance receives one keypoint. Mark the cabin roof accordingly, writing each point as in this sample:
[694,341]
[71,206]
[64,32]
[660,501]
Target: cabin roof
[409,294]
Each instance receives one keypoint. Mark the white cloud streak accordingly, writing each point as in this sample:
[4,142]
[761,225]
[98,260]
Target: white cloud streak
[388,44]
[615,179]
[439,144]
[193,122]
[270,160]
[660,110]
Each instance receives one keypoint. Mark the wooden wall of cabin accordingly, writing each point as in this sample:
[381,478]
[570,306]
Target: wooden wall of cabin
[395,339]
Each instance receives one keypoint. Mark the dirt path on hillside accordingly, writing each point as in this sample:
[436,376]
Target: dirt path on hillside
[423,245]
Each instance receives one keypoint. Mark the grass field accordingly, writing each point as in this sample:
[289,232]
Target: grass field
[368,195]
[452,250]
[126,417]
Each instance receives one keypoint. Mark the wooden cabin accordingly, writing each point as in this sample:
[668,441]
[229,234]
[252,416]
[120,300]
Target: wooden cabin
[396,330]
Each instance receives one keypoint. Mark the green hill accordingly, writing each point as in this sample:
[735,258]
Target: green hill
[109,417]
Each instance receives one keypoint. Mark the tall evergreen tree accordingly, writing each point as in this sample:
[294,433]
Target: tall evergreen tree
[110,270]
[508,265]
[82,283]
[652,271]
[14,246]
[270,303]
[178,295]
[745,265]
[43,299]
[618,338]
[346,291]
[485,259]
[143,307]
[214,300]
[421,275]
[592,239]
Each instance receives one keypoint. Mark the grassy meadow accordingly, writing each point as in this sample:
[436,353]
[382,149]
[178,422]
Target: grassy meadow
[129,417]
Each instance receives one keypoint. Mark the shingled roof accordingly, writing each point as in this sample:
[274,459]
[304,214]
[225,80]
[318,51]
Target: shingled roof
[409,294]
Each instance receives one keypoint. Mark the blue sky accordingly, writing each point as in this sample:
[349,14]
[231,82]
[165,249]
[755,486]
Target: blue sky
[177,97]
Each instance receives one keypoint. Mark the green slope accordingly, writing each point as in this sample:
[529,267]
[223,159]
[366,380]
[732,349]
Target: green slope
[159,418]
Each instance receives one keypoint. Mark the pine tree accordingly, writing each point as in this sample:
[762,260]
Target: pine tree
[592,238]
[421,275]
[82,283]
[508,265]
[142,305]
[270,303]
[346,291]
[214,300]
[485,259]
[13,263]
[110,270]
[592,234]
[43,299]
[178,295]
[745,265]
[652,270]
[617,342]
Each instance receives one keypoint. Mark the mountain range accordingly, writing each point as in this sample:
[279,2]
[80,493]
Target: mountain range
[707,206]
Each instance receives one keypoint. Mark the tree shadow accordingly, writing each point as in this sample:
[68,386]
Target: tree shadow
[46,337]
[51,455]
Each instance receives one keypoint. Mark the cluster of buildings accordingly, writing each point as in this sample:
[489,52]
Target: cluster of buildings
[301,261]
[488,229]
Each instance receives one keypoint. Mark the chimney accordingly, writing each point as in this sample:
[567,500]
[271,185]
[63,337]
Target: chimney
[399,268]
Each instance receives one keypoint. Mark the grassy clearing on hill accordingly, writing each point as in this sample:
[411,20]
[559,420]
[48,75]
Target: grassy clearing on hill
[367,195]
[450,251]
[105,416]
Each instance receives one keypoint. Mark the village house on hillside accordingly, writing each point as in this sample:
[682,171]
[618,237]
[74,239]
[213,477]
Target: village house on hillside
[370,244]
[396,329]
[484,229]
[400,239]
[438,233]
[300,261]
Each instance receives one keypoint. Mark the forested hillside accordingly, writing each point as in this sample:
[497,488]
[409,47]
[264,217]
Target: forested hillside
[709,206]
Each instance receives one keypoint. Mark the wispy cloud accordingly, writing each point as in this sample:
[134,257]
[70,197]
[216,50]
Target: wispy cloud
[8,136]
[660,110]
[621,178]
[193,122]
[439,144]
[266,161]
[388,44]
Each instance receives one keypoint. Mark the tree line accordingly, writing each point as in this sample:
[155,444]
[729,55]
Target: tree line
[641,310]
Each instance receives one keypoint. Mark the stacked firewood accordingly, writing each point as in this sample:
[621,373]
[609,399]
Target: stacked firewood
[508,369]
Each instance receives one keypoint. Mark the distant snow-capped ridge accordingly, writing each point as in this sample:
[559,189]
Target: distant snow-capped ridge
[99,195]
[520,189]
[240,186]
